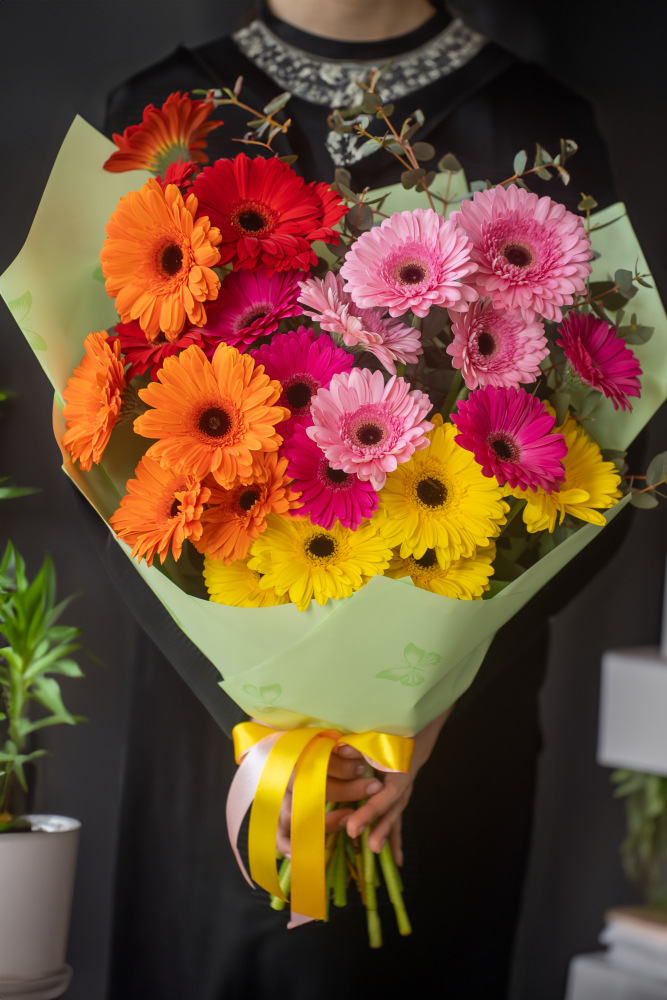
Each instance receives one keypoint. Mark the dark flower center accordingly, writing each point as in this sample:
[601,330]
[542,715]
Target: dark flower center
[518,254]
[336,475]
[298,395]
[257,311]
[505,449]
[214,422]
[428,559]
[252,222]
[412,273]
[486,344]
[369,434]
[248,499]
[321,546]
[175,508]
[432,492]
[171,259]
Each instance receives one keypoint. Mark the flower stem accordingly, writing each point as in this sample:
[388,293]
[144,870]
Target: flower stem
[372,915]
[454,389]
[285,880]
[340,872]
[394,888]
[512,513]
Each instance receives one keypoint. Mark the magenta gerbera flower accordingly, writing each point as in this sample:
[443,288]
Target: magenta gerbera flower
[366,427]
[509,433]
[532,254]
[142,353]
[303,363]
[390,340]
[600,359]
[327,494]
[251,305]
[493,347]
[414,260]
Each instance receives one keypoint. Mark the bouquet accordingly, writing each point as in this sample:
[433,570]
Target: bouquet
[344,435]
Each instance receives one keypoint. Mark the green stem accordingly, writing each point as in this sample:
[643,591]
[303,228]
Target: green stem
[512,513]
[5,786]
[394,888]
[372,916]
[285,880]
[452,395]
[340,876]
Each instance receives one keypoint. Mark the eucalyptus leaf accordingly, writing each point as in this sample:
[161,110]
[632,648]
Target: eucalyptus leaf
[277,103]
[520,161]
[423,151]
[587,203]
[560,402]
[411,177]
[449,164]
[372,98]
[590,403]
[388,110]
[645,501]
[418,116]
[426,181]
[657,470]
[623,279]
[638,334]
[291,158]
[544,174]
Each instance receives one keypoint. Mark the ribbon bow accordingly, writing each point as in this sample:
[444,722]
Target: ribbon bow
[267,758]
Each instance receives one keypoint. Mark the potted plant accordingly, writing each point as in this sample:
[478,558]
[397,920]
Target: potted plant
[37,853]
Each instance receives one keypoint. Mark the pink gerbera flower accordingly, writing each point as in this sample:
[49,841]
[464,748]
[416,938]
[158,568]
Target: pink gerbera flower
[366,427]
[509,433]
[327,494]
[142,353]
[414,260]
[600,358]
[251,305]
[303,363]
[388,339]
[493,347]
[532,254]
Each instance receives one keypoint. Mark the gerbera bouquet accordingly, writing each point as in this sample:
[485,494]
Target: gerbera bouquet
[345,436]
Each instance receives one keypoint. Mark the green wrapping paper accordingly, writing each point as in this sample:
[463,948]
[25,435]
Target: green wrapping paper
[391,657]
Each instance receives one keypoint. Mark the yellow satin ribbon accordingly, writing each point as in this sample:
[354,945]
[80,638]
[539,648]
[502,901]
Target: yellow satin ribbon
[306,752]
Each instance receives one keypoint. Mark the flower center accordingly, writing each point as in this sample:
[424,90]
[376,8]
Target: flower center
[504,447]
[336,475]
[518,254]
[175,508]
[412,272]
[298,395]
[428,560]
[171,259]
[486,344]
[369,434]
[214,422]
[432,492]
[321,546]
[248,499]
[256,311]
[254,219]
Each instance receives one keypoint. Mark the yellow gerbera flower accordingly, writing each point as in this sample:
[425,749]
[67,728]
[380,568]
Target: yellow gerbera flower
[306,561]
[466,579]
[237,585]
[591,485]
[441,500]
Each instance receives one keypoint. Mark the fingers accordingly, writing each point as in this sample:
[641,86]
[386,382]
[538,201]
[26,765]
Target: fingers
[343,750]
[352,791]
[385,824]
[284,825]
[396,841]
[395,785]
[336,820]
[346,770]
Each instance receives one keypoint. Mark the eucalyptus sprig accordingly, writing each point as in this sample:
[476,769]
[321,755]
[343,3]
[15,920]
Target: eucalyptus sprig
[262,123]
[35,648]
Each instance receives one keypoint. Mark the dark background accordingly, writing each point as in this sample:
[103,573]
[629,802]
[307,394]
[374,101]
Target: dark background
[59,58]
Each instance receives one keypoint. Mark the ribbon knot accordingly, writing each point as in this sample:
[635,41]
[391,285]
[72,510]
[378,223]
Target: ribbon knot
[267,758]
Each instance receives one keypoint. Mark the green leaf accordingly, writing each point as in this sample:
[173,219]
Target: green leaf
[541,156]
[657,470]
[544,174]
[611,301]
[568,147]
[520,161]
[9,492]
[560,402]
[372,98]
[423,151]
[97,275]
[623,279]
[388,110]
[645,501]
[292,158]
[638,334]
[448,164]
[643,283]
[411,177]
[418,116]
[426,182]
[342,176]
[46,691]
[590,403]
[587,203]
[277,103]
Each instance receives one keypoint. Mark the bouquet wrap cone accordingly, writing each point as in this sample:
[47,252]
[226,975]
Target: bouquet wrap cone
[391,657]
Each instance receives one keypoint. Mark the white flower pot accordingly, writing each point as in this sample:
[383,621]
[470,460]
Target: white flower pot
[37,872]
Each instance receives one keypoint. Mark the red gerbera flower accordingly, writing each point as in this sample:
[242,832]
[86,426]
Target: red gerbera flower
[142,353]
[267,214]
[178,129]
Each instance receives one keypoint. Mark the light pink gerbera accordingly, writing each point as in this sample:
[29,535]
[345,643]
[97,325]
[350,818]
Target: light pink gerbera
[366,427]
[509,433]
[388,339]
[251,305]
[532,254]
[492,347]
[600,359]
[414,260]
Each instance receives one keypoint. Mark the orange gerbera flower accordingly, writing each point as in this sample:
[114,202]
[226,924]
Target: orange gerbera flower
[238,515]
[157,260]
[178,128]
[212,416]
[94,396]
[161,508]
